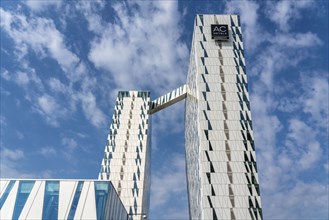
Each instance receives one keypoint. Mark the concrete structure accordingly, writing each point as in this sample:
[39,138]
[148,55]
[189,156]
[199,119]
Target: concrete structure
[221,166]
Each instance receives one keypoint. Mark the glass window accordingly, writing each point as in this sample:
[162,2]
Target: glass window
[24,189]
[111,199]
[7,191]
[50,203]
[101,192]
[75,200]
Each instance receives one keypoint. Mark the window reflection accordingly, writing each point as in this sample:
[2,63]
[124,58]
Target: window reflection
[50,208]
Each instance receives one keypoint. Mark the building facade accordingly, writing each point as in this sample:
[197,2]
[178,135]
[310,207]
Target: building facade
[220,154]
[60,199]
[126,161]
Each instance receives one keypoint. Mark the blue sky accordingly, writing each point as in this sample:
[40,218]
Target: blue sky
[62,64]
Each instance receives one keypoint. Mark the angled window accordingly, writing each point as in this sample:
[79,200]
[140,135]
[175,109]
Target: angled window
[7,191]
[101,193]
[50,204]
[24,189]
[75,200]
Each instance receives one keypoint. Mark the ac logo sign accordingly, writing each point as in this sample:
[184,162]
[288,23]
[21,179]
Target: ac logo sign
[219,32]
[221,29]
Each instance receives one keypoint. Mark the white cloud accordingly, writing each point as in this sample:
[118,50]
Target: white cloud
[134,52]
[248,11]
[22,78]
[40,35]
[8,169]
[315,99]
[279,56]
[9,163]
[310,156]
[92,112]
[41,5]
[48,151]
[275,56]
[70,148]
[305,199]
[56,85]
[302,144]
[4,92]
[69,143]
[326,167]
[5,74]
[168,183]
[3,121]
[297,40]
[12,154]
[284,12]
[48,107]
[286,104]
[47,104]
[90,11]
[299,132]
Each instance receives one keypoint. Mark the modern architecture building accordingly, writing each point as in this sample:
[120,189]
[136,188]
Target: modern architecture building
[221,169]
[59,199]
[126,160]
[220,153]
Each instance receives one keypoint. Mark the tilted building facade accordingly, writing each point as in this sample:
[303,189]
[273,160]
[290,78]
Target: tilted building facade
[126,159]
[221,169]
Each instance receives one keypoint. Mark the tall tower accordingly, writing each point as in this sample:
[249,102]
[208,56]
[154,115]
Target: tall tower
[220,155]
[126,159]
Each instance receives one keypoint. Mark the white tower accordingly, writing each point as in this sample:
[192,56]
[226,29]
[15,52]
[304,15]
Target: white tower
[220,155]
[126,159]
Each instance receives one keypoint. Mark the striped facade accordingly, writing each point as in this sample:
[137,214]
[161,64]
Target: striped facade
[220,155]
[60,199]
[126,161]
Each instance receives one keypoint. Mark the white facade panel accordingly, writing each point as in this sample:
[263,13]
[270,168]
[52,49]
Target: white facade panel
[66,194]
[90,211]
[62,199]
[126,155]
[3,185]
[82,201]
[221,141]
[8,208]
[30,200]
[35,211]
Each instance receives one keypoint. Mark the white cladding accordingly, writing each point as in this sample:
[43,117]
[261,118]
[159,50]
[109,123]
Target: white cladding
[60,199]
[126,157]
[221,162]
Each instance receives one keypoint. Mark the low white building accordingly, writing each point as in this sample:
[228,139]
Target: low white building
[59,199]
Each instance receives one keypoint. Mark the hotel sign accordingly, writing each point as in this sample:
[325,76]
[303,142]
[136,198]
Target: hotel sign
[219,32]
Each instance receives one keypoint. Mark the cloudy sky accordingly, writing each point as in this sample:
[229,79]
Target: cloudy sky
[62,64]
